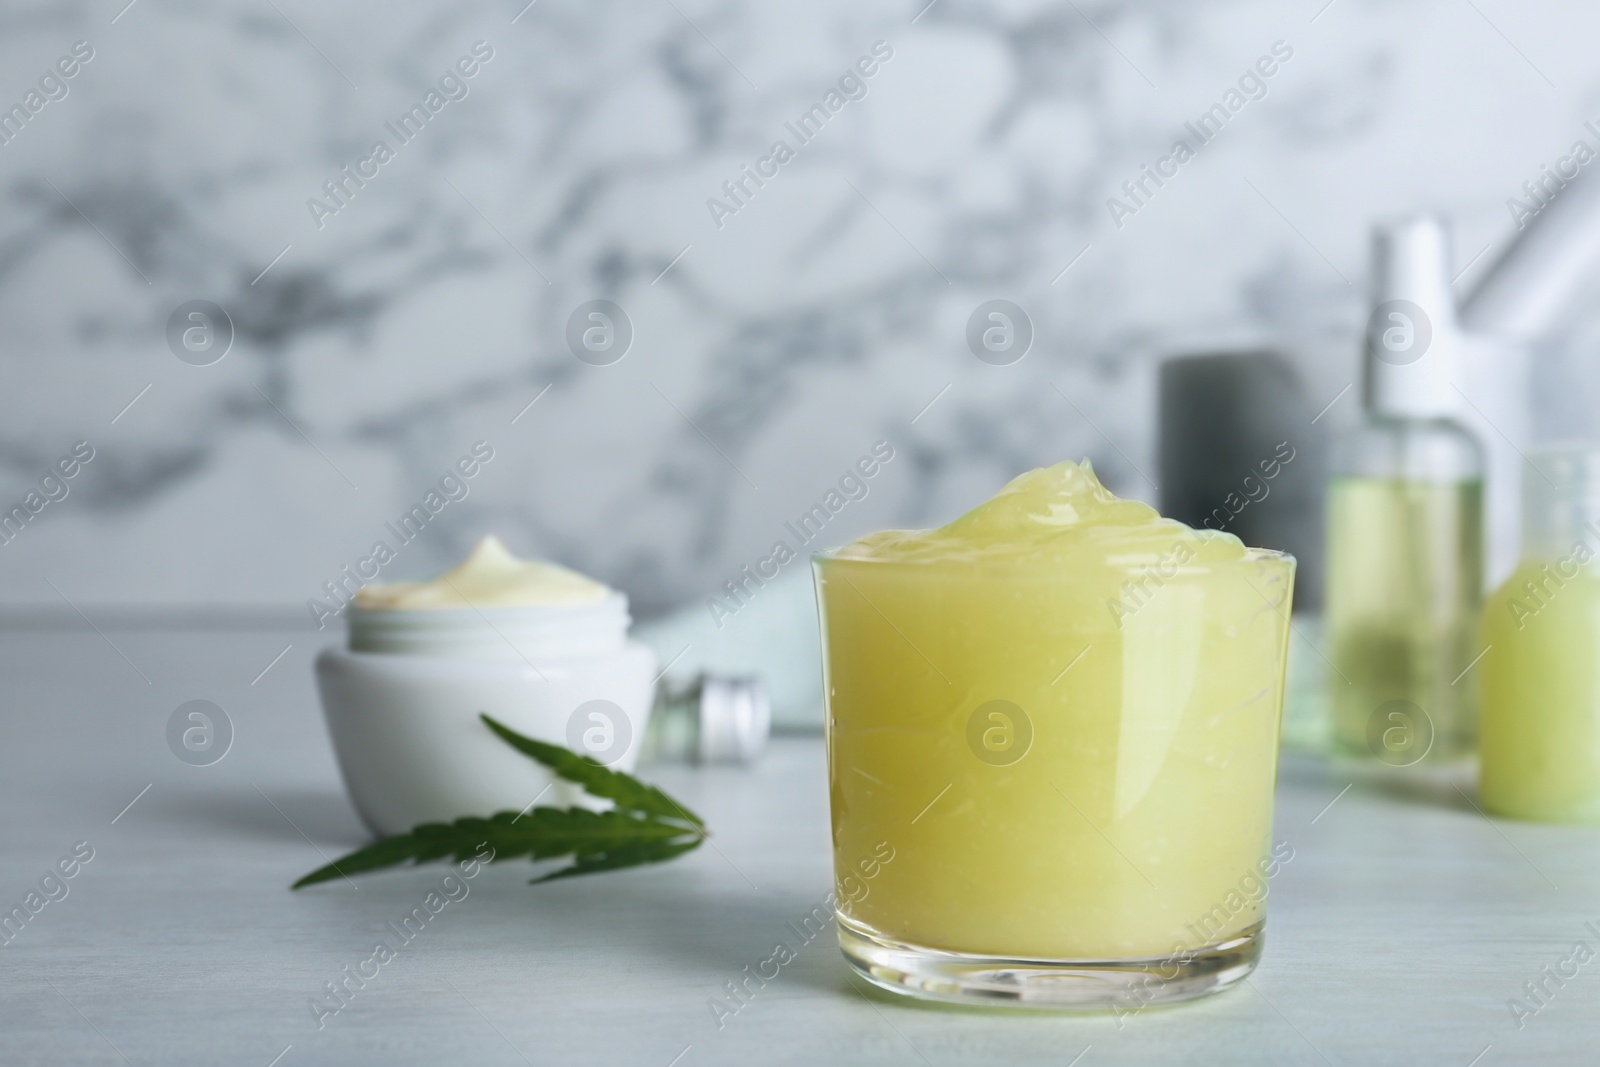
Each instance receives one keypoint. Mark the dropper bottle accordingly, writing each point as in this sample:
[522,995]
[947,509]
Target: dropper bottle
[1404,552]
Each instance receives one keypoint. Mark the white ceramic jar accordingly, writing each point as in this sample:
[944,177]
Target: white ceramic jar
[403,705]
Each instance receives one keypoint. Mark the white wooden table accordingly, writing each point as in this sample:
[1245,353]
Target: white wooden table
[1397,934]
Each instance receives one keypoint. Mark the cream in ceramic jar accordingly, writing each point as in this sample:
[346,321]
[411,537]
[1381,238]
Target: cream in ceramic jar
[541,648]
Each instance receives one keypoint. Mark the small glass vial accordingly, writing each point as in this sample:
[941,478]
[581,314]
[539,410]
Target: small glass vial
[710,720]
[1540,676]
[1404,552]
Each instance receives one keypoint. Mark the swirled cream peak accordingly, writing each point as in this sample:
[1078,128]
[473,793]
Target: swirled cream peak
[490,577]
[1060,511]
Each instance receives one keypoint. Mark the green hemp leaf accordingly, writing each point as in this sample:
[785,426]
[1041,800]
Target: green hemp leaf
[644,826]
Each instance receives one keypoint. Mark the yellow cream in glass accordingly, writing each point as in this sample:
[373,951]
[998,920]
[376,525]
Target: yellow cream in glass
[1059,714]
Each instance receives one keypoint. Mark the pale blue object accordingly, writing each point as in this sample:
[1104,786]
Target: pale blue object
[774,636]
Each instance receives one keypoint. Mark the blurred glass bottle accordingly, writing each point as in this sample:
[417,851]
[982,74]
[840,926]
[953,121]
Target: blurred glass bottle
[1405,523]
[712,719]
[1541,679]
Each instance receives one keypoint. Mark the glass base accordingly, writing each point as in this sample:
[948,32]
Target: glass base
[1122,986]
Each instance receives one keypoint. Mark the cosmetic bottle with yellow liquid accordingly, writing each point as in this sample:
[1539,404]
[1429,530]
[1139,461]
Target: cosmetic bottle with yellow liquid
[1404,551]
[1541,675]
[1061,713]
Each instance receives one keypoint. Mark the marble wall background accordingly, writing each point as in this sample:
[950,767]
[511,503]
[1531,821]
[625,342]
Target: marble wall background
[769,353]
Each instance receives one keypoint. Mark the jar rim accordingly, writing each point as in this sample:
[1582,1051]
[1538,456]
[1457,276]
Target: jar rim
[529,631]
[1252,556]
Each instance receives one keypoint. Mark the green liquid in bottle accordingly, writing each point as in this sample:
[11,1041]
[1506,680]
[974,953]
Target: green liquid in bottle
[1405,578]
[1541,693]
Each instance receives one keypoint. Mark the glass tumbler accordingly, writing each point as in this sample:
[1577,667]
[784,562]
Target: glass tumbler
[1052,786]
